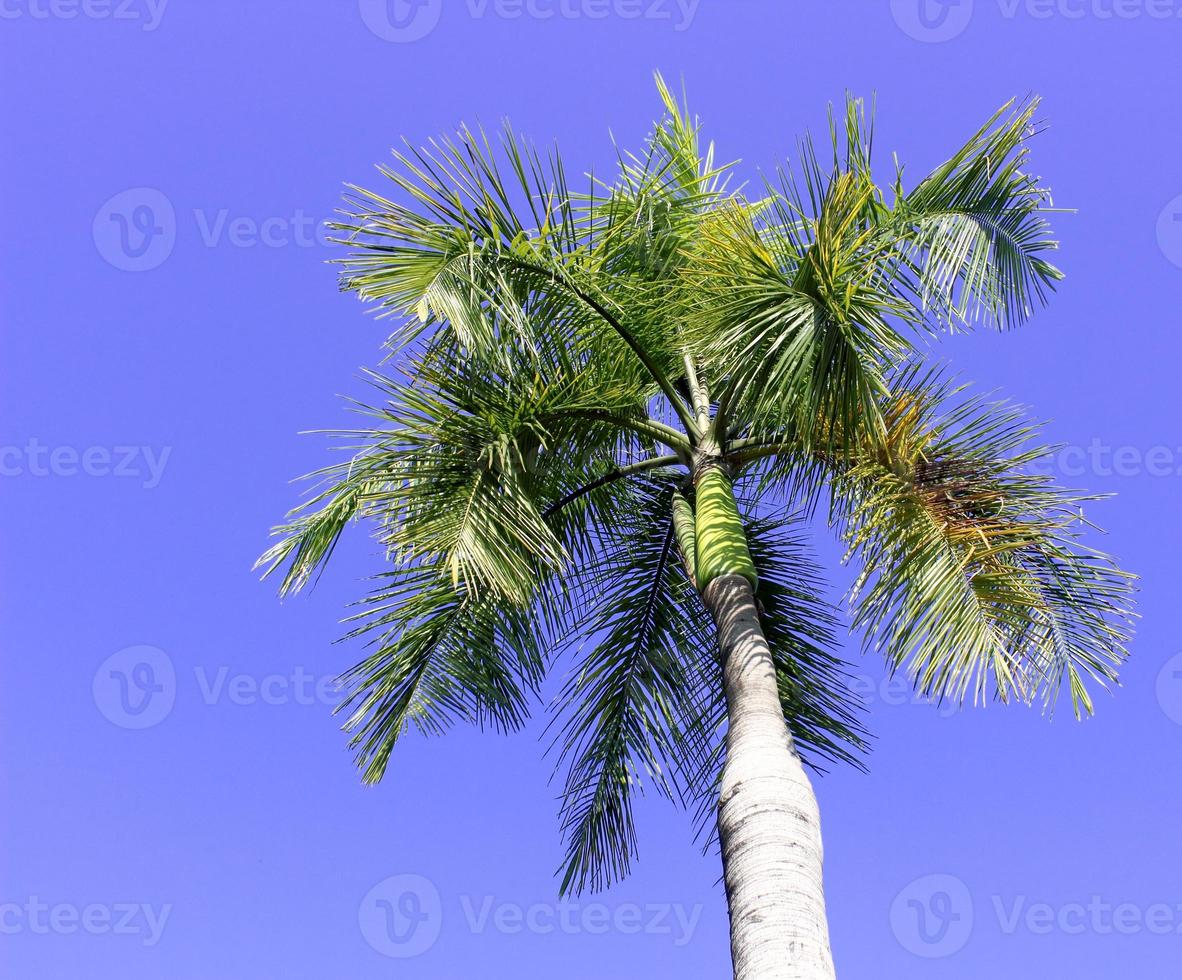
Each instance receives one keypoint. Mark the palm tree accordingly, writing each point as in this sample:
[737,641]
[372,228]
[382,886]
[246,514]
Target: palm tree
[613,411]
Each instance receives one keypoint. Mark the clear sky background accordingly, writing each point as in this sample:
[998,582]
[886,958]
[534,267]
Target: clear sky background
[177,800]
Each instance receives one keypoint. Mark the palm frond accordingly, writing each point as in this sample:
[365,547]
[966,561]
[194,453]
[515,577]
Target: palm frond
[627,702]
[975,574]
[786,296]
[443,654]
[457,466]
[973,235]
[481,259]
[310,535]
[801,629]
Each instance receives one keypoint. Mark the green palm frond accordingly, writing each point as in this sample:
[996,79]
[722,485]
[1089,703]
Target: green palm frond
[787,298]
[974,574]
[486,260]
[630,695]
[442,654]
[800,337]
[310,535]
[973,235]
[646,219]
[459,462]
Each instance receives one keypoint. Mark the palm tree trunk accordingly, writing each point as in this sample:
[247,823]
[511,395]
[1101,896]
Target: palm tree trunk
[768,820]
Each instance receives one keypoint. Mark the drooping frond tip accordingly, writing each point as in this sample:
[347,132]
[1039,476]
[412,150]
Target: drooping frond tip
[976,575]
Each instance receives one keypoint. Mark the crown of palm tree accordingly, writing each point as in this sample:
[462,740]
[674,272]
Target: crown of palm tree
[568,360]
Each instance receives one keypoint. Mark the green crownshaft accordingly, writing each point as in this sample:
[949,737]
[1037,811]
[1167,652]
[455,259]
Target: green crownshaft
[722,543]
[683,525]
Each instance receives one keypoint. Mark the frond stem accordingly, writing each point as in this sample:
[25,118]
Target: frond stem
[619,473]
[698,393]
[679,406]
[748,450]
[650,428]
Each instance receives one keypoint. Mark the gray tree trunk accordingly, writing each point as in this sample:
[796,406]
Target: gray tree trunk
[768,820]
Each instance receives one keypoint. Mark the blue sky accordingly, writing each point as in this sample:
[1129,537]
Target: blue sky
[178,801]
